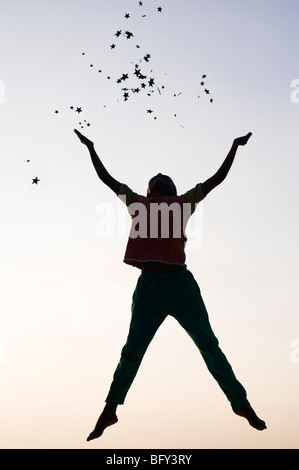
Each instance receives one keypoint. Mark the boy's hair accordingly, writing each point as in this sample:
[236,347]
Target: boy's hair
[173,187]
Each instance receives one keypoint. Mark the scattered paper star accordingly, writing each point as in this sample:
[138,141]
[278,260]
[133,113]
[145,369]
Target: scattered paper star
[117,34]
[35,180]
[127,15]
[129,35]
[149,111]
[112,46]
[159,9]
[140,4]
[56,111]
[151,82]
[79,110]
[207,91]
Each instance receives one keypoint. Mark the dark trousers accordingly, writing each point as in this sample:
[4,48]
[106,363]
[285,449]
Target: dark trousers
[177,294]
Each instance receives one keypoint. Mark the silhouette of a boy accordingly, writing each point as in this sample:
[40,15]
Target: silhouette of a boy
[165,286]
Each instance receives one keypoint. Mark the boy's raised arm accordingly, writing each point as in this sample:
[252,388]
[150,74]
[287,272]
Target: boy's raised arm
[221,174]
[98,165]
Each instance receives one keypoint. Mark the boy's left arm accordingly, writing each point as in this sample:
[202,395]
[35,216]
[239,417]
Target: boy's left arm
[221,174]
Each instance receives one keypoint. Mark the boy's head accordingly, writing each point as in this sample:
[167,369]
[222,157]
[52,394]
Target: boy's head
[162,185]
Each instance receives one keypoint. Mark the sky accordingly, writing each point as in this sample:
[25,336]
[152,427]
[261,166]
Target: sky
[66,293]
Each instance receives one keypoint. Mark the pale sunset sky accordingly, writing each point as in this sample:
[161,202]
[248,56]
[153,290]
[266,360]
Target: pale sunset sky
[66,293]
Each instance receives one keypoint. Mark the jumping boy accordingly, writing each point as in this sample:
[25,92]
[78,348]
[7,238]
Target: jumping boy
[166,286]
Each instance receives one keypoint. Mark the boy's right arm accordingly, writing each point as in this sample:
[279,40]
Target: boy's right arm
[98,165]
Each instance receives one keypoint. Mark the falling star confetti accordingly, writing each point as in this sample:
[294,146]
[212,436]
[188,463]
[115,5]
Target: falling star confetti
[148,82]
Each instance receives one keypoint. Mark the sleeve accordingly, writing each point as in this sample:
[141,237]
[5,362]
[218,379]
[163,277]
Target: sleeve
[126,195]
[194,196]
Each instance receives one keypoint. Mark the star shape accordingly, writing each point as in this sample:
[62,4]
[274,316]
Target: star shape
[112,46]
[207,91]
[151,82]
[129,35]
[149,111]
[35,180]
[159,9]
[140,4]
[56,111]
[79,110]
[117,34]
[127,15]
[204,76]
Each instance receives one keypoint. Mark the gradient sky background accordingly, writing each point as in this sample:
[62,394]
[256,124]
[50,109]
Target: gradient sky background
[65,292]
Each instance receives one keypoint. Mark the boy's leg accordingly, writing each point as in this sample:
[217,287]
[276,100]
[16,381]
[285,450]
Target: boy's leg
[195,320]
[145,321]
[193,317]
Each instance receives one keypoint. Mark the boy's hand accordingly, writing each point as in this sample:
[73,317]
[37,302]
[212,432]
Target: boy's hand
[84,139]
[242,140]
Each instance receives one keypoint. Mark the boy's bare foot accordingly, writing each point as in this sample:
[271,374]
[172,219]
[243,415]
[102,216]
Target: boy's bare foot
[107,418]
[248,413]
